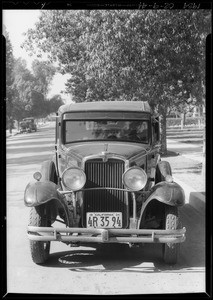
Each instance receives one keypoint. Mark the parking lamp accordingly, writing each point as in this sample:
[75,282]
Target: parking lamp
[37,176]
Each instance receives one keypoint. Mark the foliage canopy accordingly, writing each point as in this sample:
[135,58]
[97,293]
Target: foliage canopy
[126,54]
[154,55]
[26,91]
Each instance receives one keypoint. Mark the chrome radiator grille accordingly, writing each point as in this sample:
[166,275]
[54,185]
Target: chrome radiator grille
[104,174]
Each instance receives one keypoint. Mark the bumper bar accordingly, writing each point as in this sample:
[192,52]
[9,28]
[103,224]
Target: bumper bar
[93,235]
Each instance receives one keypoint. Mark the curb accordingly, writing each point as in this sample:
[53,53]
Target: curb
[17,132]
[192,197]
[8,136]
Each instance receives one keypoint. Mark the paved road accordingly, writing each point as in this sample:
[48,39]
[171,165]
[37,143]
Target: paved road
[188,142]
[115,269]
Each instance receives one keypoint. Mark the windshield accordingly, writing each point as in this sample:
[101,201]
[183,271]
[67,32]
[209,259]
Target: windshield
[110,130]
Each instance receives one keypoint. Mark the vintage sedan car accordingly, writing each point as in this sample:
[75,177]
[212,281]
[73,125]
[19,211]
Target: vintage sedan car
[30,124]
[106,182]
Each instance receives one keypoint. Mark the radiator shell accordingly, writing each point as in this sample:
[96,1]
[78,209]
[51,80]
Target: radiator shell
[101,174]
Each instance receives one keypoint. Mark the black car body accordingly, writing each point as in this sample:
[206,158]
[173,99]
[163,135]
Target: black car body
[28,125]
[106,182]
[22,127]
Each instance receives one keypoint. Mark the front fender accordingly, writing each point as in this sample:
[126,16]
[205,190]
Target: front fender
[165,192]
[40,192]
[170,193]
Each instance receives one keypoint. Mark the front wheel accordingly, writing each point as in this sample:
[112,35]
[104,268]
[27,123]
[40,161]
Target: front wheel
[171,250]
[39,217]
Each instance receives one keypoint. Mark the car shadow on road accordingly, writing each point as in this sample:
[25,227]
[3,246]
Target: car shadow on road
[105,258]
[195,170]
[170,154]
[115,259]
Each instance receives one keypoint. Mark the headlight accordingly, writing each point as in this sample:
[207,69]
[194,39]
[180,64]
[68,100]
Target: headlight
[74,178]
[135,179]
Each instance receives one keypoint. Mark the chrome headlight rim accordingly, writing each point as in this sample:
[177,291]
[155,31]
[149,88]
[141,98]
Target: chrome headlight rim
[68,187]
[130,170]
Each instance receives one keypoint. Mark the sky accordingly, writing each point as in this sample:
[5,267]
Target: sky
[19,21]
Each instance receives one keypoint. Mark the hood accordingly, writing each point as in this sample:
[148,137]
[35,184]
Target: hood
[123,149]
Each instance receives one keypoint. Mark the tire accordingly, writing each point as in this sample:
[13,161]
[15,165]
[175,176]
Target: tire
[162,170]
[39,250]
[172,222]
[40,216]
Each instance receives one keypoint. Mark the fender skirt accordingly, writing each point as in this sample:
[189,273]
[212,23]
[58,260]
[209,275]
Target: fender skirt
[39,192]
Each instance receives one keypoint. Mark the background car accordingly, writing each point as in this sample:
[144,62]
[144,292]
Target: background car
[30,124]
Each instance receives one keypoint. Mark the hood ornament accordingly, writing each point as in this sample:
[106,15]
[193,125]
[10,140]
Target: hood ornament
[104,153]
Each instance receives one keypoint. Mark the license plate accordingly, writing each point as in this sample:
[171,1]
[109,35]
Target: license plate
[104,219]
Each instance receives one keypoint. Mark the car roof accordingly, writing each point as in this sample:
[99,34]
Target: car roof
[136,106]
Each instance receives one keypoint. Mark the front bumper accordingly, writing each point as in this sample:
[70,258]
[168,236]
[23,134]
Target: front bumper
[93,235]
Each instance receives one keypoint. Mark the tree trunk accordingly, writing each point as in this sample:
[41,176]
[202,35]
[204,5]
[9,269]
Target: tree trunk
[199,117]
[163,134]
[183,120]
[203,172]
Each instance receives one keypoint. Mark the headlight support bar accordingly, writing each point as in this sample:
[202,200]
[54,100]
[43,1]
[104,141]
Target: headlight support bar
[101,188]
